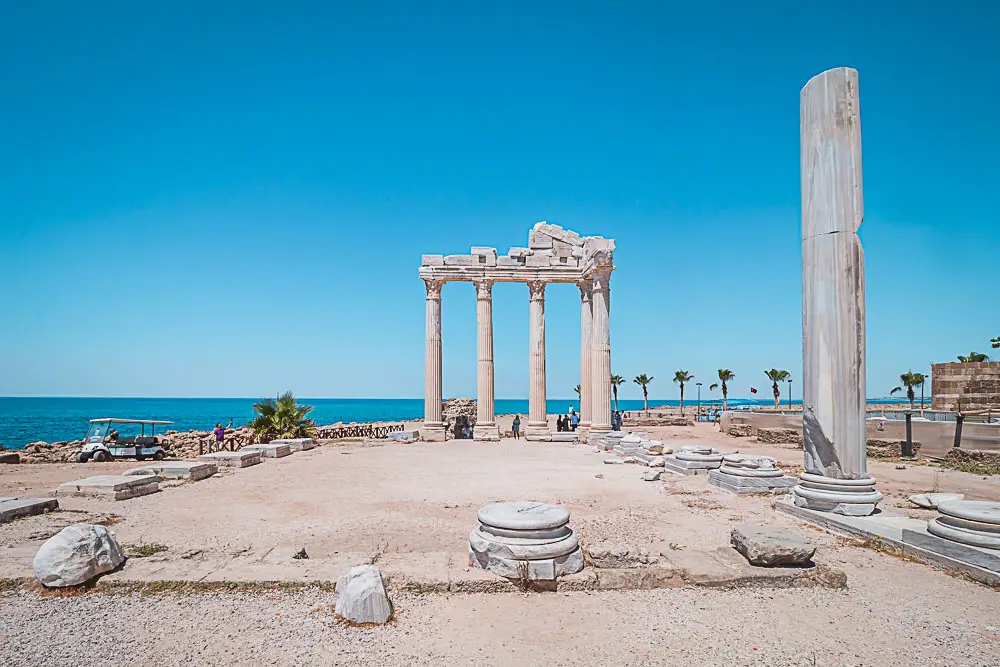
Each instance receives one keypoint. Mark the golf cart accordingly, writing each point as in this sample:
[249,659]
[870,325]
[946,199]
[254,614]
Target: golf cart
[103,442]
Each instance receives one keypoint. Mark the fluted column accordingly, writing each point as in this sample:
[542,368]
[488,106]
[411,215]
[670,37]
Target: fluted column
[538,426]
[833,300]
[586,334]
[433,425]
[600,355]
[486,427]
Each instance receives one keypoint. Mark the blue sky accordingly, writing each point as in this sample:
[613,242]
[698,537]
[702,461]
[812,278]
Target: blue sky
[231,198]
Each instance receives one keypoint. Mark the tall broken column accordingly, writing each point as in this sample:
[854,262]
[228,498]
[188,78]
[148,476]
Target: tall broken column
[538,423]
[486,425]
[433,428]
[600,356]
[833,300]
[586,335]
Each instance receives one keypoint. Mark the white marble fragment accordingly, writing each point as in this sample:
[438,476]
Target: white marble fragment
[77,554]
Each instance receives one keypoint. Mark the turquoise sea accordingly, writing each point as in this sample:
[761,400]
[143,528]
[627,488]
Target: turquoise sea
[24,420]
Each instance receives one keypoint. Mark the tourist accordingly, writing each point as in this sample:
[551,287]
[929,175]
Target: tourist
[574,420]
[220,434]
[112,436]
[467,432]
[516,426]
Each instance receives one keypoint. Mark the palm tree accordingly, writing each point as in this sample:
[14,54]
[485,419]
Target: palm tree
[680,377]
[577,389]
[995,341]
[973,357]
[776,376]
[282,418]
[643,381]
[910,380]
[725,375]
[616,381]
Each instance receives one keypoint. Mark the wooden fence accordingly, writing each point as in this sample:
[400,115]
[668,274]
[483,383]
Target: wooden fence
[377,432]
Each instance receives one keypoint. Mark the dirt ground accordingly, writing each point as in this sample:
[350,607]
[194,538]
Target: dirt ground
[423,497]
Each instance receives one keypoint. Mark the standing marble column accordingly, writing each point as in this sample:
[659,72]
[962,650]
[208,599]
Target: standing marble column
[433,425]
[833,300]
[538,425]
[586,334]
[600,356]
[486,426]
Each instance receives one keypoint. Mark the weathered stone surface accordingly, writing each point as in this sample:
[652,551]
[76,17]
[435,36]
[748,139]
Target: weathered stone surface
[432,260]
[770,547]
[610,555]
[779,436]
[110,487]
[9,457]
[405,436]
[273,450]
[652,475]
[522,548]
[523,515]
[11,508]
[739,430]
[77,554]
[461,260]
[888,449]
[299,444]
[361,596]
[930,500]
[192,470]
[240,459]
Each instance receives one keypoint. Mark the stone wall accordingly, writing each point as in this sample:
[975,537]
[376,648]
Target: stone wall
[974,386]
[780,436]
[888,449]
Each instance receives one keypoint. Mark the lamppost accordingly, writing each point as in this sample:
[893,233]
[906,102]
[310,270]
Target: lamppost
[789,393]
[698,413]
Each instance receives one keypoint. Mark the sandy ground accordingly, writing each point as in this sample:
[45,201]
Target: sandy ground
[423,497]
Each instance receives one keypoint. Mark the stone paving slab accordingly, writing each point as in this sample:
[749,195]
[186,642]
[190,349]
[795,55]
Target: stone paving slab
[742,486]
[11,508]
[110,487]
[192,470]
[889,528]
[274,450]
[296,444]
[240,459]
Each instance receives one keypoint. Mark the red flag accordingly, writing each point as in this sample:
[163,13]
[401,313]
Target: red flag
[753,390]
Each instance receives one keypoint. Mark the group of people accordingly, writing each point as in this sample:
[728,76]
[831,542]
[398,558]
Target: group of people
[617,418]
[568,422]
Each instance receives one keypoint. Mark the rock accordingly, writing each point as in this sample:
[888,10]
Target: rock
[613,461]
[361,596]
[656,462]
[10,457]
[652,474]
[609,555]
[739,430]
[777,436]
[77,554]
[932,500]
[770,547]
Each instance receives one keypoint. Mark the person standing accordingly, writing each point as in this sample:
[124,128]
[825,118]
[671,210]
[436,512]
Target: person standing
[516,426]
[220,434]
[574,420]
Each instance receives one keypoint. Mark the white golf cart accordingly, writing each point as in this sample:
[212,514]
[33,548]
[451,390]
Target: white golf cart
[103,442]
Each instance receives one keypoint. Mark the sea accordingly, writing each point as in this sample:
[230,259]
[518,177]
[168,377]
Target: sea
[29,419]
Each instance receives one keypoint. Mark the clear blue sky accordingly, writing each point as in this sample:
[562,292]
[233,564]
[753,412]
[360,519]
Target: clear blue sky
[231,198]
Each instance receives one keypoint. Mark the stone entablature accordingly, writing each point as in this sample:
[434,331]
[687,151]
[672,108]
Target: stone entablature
[553,255]
[971,386]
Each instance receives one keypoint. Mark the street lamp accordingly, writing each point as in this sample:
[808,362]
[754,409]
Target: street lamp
[698,412]
[789,393]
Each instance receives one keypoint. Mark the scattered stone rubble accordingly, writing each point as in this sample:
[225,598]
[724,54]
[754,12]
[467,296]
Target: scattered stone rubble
[780,436]
[361,596]
[740,430]
[456,407]
[888,449]
[770,547]
[77,554]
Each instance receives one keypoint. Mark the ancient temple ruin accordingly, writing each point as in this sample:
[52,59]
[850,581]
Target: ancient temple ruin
[553,255]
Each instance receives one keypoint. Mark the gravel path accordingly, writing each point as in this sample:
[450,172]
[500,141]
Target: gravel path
[682,626]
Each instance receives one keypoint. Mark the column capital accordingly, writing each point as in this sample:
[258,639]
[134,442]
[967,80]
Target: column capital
[586,290]
[536,289]
[484,289]
[601,278]
[433,287]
